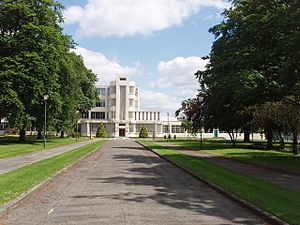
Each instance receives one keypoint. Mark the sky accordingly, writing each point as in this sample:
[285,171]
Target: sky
[157,43]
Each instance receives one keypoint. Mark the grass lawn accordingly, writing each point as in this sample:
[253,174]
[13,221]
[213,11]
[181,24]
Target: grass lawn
[276,159]
[13,183]
[275,199]
[9,146]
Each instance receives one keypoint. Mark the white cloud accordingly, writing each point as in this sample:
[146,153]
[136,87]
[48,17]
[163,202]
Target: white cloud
[129,17]
[106,69]
[157,101]
[178,75]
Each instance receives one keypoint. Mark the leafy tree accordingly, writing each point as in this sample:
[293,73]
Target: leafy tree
[32,45]
[101,132]
[252,61]
[35,61]
[73,76]
[143,132]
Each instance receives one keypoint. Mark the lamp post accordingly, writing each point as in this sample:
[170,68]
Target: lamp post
[169,130]
[77,114]
[46,97]
[91,130]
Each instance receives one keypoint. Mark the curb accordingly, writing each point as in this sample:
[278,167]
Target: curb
[17,201]
[270,218]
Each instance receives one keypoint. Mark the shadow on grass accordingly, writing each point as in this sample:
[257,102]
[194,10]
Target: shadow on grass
[31,140]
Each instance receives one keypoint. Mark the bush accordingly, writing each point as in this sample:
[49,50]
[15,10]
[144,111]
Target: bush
[174,136]
[101,132]
[143,133]
[169,136]
[165,137]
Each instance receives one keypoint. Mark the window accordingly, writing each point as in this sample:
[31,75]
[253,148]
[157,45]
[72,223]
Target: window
[146,115]
[113,102]
[154,116]
[101,103]
[122,78]
[131,90]
[113,90]
[177,129]
[130,115]
[113,114]
[131,102]
[143,115]
[85,115]
[101,91]
[165,129]
[108,91]
[158,116]
[150,115]
[98,115]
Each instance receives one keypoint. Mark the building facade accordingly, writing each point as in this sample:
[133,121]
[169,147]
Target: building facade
[119,110]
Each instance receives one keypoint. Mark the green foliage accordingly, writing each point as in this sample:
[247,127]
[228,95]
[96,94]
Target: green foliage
[35,60]
[143,132]
[253,60]
[101,132]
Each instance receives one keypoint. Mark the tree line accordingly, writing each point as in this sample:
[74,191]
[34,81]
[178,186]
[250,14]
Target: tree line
[252,80]
[35,60]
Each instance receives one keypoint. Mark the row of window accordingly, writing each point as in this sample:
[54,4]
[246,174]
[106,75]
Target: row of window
[94,115]
[152,116]
[148,116]
[112,90]
[175,129]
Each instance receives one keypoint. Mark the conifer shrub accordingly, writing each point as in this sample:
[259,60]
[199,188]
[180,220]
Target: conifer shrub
[101,132]
[143,133]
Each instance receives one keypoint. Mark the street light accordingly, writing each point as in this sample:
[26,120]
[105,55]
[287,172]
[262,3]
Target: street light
[91,130]
[46,97]
[169,130]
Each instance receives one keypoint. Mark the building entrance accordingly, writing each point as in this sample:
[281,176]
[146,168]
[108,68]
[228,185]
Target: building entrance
[122,132]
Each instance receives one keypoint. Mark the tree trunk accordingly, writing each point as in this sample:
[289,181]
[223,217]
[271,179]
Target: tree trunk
[269,136]
[39,135]
[282,144]
[62,134]
[22,135]
[232,138]
[246,135]
[295,142]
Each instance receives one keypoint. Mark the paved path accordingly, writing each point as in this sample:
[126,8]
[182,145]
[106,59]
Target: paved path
[122,183]
[13,163]
[284,179]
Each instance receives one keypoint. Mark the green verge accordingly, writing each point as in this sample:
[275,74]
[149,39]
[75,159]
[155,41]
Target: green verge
[13,183]
[9,146]
[280,201]
[275,159]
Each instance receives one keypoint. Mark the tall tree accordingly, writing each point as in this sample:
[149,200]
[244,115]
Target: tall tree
[32,45]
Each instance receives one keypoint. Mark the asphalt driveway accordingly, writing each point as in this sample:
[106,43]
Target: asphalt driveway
[123,183]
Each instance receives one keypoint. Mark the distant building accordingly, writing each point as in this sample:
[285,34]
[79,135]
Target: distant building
[119,110]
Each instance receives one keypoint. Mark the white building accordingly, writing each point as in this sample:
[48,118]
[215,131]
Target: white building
[119,110]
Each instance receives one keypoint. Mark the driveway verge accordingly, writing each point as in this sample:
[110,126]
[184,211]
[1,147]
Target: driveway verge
[242,202]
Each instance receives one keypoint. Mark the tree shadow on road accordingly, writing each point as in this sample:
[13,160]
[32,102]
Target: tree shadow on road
[151,180]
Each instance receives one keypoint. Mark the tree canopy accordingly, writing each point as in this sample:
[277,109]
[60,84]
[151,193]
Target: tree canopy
[35,60]
[253,60]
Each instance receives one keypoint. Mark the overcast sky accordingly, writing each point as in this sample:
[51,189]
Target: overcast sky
[158,43]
